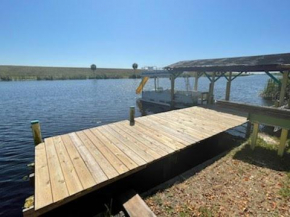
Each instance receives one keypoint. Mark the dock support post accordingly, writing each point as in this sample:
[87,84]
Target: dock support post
[36,132]
[254,135]
[211,89]
[283,88]
[228,88]
[283,138]
[196,82]
[248,129]
[172,91]
[132,115]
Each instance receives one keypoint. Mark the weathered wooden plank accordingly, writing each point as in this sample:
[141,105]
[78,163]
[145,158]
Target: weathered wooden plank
[134,205]
[43,194]
[149,154]
[71,178]
[113,159]
[262,110]
[118,141]
[175,145]
[201,124]
[148,140]
[190,135]
[155,128]
[216,120]
[130,164]
[88,158]
[213,112]
[134,149]
[167,129]
[58,184]
[83,172]
[192,131]
[107,168]
[214,116]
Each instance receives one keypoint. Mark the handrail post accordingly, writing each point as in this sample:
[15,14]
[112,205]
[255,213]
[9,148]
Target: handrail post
[36,132]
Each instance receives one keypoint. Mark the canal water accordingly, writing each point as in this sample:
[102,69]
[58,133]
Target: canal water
[72,105]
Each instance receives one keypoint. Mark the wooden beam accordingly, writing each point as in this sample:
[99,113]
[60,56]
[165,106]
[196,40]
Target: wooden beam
[261,110]
[228,88]
[254,135]
[283,88]
[283,139]
[134,205]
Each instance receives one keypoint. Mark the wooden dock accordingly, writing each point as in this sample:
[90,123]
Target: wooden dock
[72,165]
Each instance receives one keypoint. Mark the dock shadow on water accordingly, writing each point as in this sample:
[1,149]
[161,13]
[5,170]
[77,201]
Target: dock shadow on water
[264,155]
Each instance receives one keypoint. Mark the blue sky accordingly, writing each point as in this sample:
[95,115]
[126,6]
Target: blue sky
[116,33]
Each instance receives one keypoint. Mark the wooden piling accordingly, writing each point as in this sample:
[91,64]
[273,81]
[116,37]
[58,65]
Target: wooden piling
[132,115]
[283,139]
[211,89]
[283,88]
[196,82]
[172,91]
[36,132]
[254,135]
[228,88]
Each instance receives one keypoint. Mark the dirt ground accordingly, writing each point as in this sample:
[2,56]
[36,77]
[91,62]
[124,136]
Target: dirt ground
[243,183]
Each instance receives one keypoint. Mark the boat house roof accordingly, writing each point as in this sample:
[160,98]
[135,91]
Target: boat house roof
[262,63]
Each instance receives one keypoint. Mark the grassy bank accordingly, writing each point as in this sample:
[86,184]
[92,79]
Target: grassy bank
[20,73]
[12,73]
[243,183]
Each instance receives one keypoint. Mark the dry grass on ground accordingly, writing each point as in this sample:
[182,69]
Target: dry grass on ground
[243,183]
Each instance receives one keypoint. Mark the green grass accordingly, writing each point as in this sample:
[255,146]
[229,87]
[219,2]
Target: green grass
[12,73]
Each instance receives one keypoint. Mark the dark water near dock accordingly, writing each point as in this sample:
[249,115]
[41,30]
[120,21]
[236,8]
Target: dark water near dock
[66,106]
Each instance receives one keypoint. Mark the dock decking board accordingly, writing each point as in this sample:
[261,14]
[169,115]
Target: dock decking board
[71,165]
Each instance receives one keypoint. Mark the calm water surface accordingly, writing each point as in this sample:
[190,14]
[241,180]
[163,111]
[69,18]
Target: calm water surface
[66,106]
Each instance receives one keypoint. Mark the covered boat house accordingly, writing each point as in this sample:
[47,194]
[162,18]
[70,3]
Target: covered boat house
[230,69]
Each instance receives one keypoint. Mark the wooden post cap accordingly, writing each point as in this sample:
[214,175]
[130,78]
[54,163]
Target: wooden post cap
[34,122]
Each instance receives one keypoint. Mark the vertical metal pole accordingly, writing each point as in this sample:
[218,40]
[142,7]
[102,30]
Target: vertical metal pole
[283,88]
[155,84]
[36,132]
[228,88]
[132,115]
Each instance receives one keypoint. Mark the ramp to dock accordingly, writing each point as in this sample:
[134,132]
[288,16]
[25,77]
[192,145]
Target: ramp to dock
[72,165]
